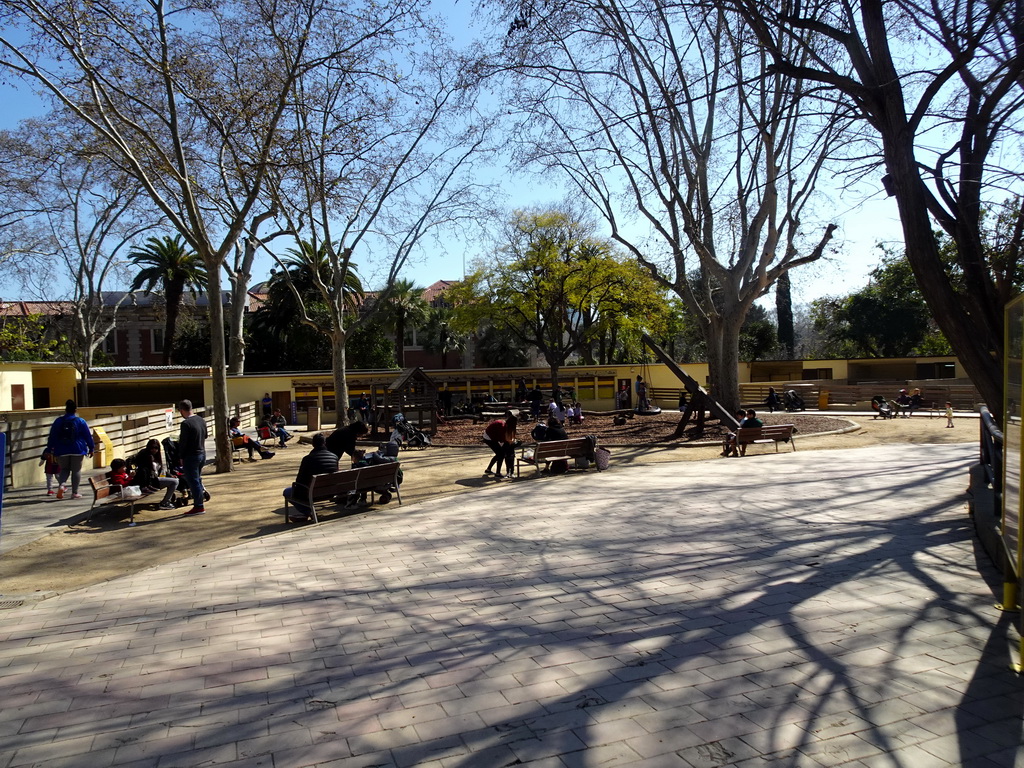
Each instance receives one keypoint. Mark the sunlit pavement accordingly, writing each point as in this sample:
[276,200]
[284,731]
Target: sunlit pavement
[800,609]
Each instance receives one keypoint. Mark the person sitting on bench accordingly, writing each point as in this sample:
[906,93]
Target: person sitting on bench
[148,470]
[319,461]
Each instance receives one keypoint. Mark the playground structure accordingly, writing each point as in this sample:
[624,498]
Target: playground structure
[699,401]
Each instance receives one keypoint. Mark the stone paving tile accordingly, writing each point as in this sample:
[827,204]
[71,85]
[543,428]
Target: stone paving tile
[570,633]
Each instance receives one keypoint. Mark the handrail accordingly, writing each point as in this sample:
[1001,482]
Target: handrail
[991,447]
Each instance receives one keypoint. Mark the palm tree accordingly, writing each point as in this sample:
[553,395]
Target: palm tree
[438,335]
[404,307]
[167,262]
[305,270]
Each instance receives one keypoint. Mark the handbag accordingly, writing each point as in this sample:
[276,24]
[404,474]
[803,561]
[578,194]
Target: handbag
[602,457]
[131,492]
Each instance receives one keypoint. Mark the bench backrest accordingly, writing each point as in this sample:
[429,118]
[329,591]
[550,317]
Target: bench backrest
[101,488]
[375,475]
[329,485]
[575,446]
[767,432]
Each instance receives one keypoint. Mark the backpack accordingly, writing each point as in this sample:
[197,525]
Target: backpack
[67,429]
[539,432]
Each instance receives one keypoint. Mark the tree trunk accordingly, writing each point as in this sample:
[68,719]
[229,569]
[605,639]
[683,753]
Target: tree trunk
[338,339]
[83,389]
[784,314]
[173,292]
[236,316]
[724,360]
[977,339]
[220,380]
[400,340]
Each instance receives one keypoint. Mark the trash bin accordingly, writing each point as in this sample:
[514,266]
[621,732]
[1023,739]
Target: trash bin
[103,450]
[823,400]
[313,419]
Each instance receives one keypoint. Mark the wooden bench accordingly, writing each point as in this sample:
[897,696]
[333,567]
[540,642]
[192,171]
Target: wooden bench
[555,450]
[327,486]
[106,495]
[772,433]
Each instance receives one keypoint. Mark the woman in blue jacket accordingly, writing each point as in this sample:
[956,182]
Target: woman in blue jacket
[70,441]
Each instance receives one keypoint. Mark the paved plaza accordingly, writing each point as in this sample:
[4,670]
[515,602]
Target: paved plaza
[811,609]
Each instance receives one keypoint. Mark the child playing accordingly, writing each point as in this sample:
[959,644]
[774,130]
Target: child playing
[949,415]
[52,471]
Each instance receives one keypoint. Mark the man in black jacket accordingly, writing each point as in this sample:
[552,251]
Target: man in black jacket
[343,439]
[319,461]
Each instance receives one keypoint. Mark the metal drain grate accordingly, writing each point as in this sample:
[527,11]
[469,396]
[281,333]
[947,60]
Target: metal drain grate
[11,604]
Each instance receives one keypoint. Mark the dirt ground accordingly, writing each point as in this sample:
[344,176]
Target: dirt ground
[247,502]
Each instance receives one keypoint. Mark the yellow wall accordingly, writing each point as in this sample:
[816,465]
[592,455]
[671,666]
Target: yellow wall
[11,376]
[60,380]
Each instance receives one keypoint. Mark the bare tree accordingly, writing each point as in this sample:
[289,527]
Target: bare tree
[702,160]
[939,85]
[89,222]
[383,157]
[187,100]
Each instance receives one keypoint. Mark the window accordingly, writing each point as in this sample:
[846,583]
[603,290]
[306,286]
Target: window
[109,344]
[936,370]
[156,340]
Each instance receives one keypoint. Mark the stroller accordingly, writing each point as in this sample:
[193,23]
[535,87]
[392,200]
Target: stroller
[882,408]
[793,401]
[172,462]
[407,435]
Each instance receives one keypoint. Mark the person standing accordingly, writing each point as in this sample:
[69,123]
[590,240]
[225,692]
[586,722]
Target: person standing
[267,403]
[70,441]
[343,439]
[192,451]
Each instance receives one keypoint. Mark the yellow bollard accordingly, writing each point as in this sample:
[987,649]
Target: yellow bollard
[1009,603]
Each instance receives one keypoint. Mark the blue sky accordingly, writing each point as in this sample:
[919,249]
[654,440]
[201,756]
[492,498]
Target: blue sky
[863,220]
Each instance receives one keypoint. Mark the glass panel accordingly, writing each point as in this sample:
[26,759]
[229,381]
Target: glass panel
[306,398]
[1012,435]
[329,400]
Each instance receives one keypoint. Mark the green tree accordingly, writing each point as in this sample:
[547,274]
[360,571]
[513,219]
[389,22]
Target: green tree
[25,339]
[169,263]
[368,347]
[439,336]
[553,286]
[291,330]
[887,318]
[402,309]
[499,348]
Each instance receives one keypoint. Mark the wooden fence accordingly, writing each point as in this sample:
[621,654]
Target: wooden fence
[128,432]
[964,397]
